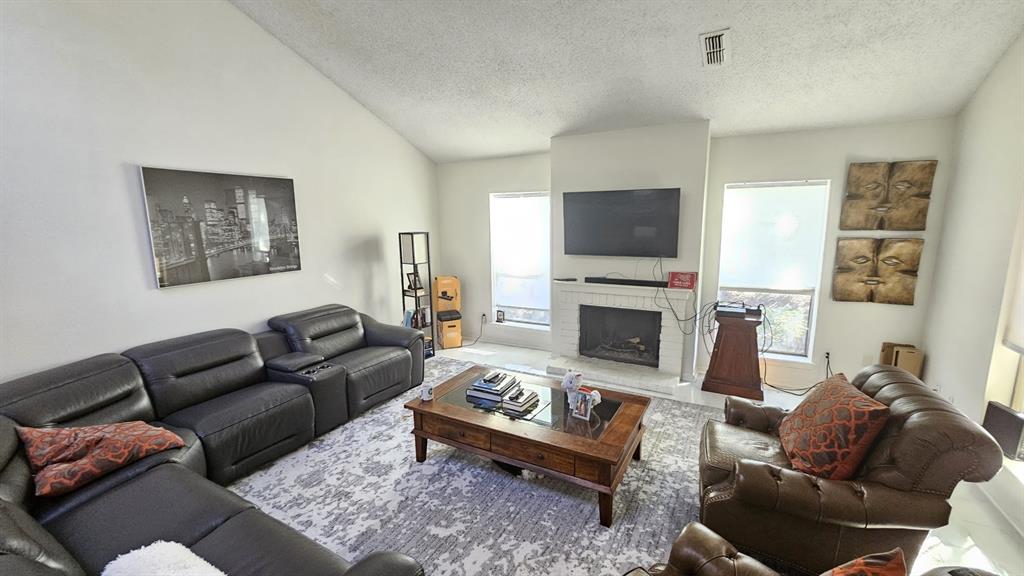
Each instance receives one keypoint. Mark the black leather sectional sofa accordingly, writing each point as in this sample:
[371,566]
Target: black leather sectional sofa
[238,401]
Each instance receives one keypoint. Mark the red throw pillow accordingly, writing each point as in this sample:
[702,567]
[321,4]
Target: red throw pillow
[64,459]
[831,431]
[889,563]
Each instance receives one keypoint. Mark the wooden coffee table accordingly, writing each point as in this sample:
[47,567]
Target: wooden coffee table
[591,454]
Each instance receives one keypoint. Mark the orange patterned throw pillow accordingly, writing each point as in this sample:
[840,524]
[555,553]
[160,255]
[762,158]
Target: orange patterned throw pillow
[889,563]
[831,431]
[63,459]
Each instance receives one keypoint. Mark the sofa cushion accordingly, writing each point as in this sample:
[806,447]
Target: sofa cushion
[723,445]
[35,549]
[185,371]
[255,544]
[375,374]
[15,474]
[167,502]
[190,456]
[889,563]
[98,390]
[326,330]
[249,427]
[831,431]
[64,459]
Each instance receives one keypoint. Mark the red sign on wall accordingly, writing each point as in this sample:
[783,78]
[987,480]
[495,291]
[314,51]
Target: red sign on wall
[686,280]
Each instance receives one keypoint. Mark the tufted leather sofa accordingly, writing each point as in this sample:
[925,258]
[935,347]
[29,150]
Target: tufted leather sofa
[752,497]
[381,361]
[698,551]
[214,391]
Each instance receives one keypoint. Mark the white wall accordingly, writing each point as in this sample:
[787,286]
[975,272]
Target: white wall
[464,190]
[671,156]
[92,89]
[852,332]
[977,238]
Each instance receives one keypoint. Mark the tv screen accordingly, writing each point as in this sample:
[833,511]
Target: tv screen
[622,223]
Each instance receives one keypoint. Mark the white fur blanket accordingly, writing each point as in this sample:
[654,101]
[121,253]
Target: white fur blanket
[161,559]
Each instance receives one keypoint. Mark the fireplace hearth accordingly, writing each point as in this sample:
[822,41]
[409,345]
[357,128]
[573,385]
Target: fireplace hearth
[620,334]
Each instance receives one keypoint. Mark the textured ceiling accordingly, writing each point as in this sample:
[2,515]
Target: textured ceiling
[464,79]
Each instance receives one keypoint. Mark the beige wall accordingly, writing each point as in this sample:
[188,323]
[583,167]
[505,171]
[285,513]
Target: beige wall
[963,328]
[464,190]
[92,89]
[852,332]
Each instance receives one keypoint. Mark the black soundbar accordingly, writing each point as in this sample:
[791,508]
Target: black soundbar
[625,281]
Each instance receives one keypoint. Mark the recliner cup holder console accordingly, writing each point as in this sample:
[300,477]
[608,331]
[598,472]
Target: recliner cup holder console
[316,369]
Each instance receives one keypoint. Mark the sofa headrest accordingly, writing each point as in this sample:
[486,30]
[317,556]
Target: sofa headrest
[98,390]
[272,344]
[328,330]
[927,444]
[184,371]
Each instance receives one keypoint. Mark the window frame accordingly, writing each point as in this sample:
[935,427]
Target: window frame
[812,326]
[493,272]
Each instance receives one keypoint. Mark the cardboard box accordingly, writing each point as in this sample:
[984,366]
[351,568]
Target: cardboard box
[906,356]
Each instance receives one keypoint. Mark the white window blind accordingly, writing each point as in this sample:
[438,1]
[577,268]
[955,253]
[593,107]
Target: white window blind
[772,246]
[521,257]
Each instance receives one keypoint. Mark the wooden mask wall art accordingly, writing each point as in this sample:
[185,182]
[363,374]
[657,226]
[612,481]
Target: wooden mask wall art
[882,270]
[887,195]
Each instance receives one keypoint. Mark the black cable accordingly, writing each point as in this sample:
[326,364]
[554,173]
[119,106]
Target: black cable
[479,334]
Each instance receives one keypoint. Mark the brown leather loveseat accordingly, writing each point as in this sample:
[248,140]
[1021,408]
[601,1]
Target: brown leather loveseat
[752,497]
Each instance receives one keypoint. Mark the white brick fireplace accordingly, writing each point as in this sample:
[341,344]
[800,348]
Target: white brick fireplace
[567,297]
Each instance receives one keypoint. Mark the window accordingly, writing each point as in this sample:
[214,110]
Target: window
[773,237]
[521,257]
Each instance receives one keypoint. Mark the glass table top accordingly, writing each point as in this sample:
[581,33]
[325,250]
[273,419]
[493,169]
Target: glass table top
[552,410]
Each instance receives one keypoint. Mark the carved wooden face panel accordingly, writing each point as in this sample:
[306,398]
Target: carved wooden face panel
[882,270]
[887,196]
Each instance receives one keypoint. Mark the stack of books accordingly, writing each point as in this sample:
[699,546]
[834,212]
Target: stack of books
[520,403]
[504,391]
[493,387]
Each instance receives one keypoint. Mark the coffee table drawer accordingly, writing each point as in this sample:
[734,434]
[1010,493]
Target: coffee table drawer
[463,434]
[532,453]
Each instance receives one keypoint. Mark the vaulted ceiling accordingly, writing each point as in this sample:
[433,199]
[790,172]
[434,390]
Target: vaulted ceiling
[469,79]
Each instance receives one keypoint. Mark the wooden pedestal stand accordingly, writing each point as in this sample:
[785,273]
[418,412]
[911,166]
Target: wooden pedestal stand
[733,369]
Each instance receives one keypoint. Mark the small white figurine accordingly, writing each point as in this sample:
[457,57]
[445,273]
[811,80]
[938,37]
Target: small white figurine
[571,380]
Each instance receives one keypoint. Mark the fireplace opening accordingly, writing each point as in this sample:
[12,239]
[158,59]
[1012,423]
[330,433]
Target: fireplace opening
[620,334]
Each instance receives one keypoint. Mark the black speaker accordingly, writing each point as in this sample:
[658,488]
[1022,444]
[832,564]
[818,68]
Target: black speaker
[1006,425]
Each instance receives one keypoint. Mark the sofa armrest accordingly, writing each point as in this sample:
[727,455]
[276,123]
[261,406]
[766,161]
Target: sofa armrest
[698,551]
[843,503]
[389,563]
[294,361]
[380,334]
[753,416]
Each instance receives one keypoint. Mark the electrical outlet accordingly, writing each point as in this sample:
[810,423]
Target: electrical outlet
[483,318]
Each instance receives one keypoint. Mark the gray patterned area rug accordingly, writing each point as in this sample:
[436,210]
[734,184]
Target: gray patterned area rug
[358,489]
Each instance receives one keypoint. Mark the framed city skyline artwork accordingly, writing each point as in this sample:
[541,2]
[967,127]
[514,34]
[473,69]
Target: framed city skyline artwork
[206,226]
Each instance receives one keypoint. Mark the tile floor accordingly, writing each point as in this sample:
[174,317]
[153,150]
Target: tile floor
[978,535]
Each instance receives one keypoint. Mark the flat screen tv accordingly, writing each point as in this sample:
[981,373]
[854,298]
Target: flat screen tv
[641,223]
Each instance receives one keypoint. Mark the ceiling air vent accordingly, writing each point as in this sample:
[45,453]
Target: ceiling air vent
[715,47]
